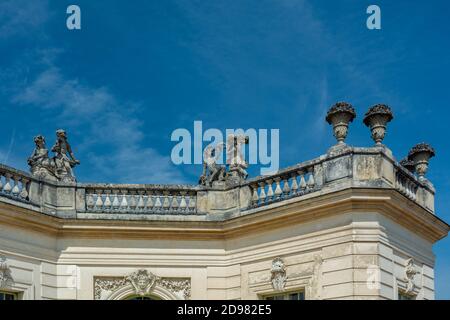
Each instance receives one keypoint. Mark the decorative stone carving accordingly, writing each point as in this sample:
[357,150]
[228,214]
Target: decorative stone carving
[6,278]
[107,285]
[410,272]
[64,159]
[408,165]
[237,164]
[376,118]
[315,283]
[143,283]
[339,116]
[278,274]
[57,168]
[214,173]
[40,164]
[420,155]
[182,286]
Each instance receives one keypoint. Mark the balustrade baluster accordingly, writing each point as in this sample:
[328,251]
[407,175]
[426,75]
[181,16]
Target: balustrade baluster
[99,200]
[15,190]
[150,201]
[116,203]
[158,204]
[7,188]
[302,181]
[175,204]
[254,194]
[294,185]
[411,189]
[124,202]
[183,203]
[166,200]
[278,190]
[107,203]
[90,200]
[132,202]
[311,181]
[192,202]
[270,193]
[262,194]
[286,188]
[24,192]
[141,204]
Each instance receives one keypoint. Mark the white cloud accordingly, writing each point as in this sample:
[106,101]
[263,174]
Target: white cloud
[111,123]
[137,165]
[18,17]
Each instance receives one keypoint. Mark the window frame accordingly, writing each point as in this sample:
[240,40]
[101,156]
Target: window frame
[15,295]
[406,296]
[285,294]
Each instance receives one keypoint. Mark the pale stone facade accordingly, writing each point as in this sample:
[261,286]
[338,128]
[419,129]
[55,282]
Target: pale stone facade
[351,224]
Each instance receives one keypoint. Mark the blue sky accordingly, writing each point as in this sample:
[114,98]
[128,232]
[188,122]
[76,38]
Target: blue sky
[137,70]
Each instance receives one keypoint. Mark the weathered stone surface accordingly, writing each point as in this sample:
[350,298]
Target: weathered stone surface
[337,168]
[319,228]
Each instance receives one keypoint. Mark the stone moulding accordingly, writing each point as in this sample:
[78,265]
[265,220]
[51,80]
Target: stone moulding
[152,202]
[141,283]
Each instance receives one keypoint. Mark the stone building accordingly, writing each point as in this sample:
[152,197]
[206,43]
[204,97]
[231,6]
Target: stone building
[351,224]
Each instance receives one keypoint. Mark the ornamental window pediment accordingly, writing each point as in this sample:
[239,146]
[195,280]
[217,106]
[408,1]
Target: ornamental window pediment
[141,283]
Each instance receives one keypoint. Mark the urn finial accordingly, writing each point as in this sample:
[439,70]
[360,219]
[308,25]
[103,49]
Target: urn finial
[376,118]
[339,116]
[420,155]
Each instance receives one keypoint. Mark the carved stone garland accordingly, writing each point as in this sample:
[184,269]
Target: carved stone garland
[6,279]
[410,272]
[142,282]
[278,274]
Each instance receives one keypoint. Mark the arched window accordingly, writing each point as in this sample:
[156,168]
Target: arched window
[137,297]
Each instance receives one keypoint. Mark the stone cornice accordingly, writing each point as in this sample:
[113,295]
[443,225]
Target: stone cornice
[389,203]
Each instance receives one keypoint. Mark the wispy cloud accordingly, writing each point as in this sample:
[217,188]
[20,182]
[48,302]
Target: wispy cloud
[18,17]
[11,144]
[111,124]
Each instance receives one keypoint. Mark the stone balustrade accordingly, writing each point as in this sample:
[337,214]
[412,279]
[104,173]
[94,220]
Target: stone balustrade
[342,167]
[141,199]
[224,192]
[406,183]
[14,184]
[293,182]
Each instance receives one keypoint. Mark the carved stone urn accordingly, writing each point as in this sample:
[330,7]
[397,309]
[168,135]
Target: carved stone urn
[420,155]
[339,116]
[376,118]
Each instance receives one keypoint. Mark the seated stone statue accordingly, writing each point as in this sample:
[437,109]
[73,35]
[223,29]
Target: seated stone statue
[212,171]
[41,165]
[237,163]
[64,158]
